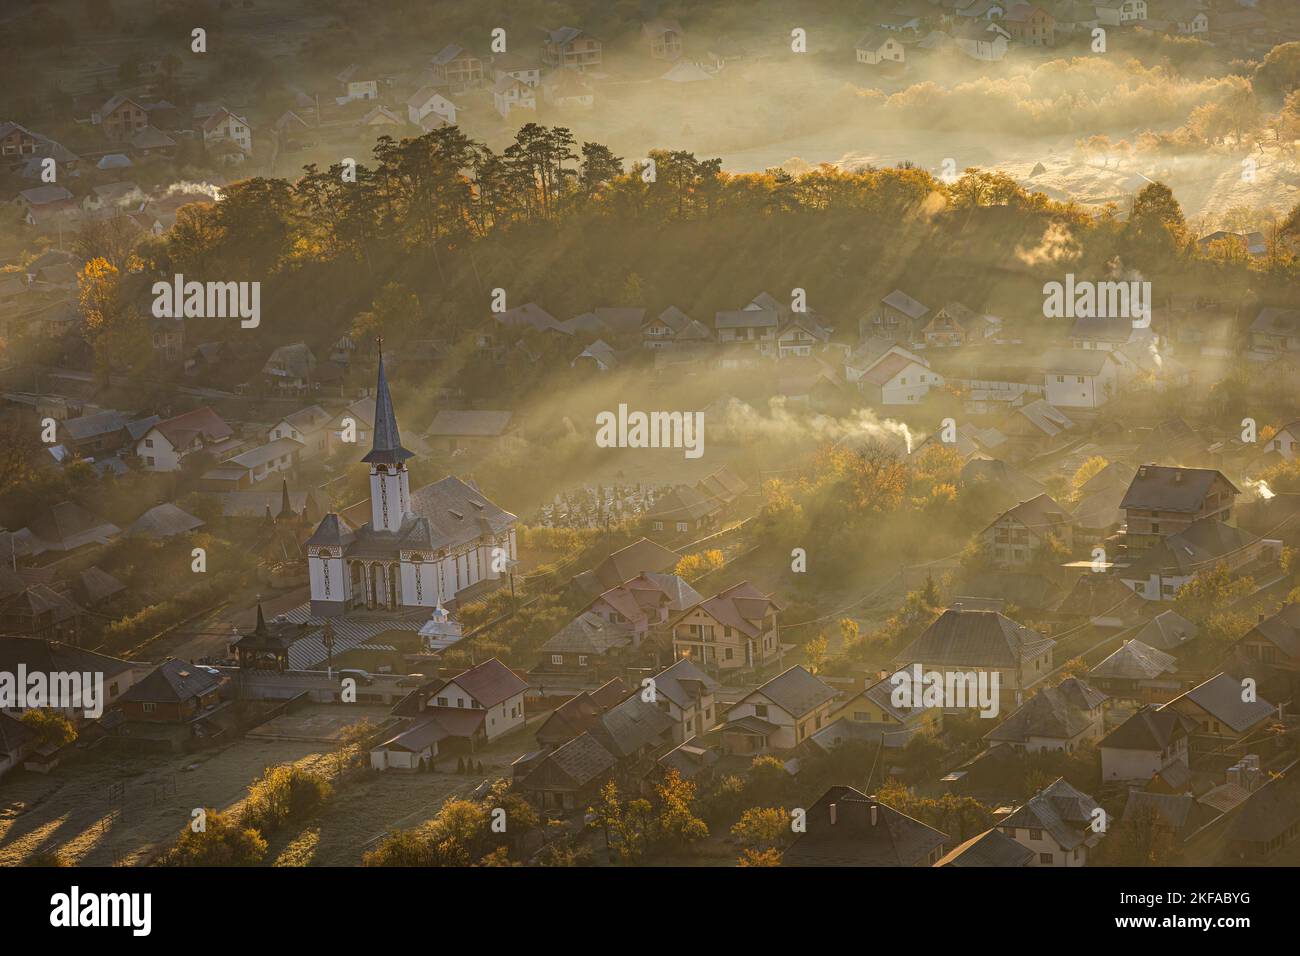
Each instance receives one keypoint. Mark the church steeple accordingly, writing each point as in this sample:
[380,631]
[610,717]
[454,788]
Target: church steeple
[386,447]
[390,490]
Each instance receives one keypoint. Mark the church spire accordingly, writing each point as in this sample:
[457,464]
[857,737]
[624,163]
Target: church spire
[286,507]
[386,448]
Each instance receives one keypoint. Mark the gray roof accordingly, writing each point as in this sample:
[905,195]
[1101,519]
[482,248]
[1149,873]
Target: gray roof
[972,638]
[990,848]
[629,726]
[746,318]
[1169,488]
[895,839]
[163,521]
[796,691]
[576,763]
[905,303]
[173,680]
[1282,630]
[91,426]
[469,423]
[589,633]
[1167,630]
[1058,713]
[683,683]
[1151,728]
[1061,810]
[1220,696]
[1135,661]
[1196,547]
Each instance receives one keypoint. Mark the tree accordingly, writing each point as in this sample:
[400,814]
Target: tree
[762,828]
[1156,231]
[815,653]
[1210,591]
[677,824]
[223,841]
[1086,472]
[1142,838]
[759,858]
[52,728]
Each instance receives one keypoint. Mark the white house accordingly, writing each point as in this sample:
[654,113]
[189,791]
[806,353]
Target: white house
[1056,825]
[1147,743]
[898,380]
[309,425]
[1285,439]
[490,687]
[164,446]
[879,46]
[510,94]
[685,693]
[780,714]
[1079,378]
[521,68]
[981,40]
[1115,13]
[225,125]
[429,102]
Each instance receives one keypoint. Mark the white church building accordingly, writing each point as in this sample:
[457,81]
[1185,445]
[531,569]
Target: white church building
[419,549]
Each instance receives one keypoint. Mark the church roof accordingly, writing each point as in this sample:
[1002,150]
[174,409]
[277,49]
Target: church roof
[386,449]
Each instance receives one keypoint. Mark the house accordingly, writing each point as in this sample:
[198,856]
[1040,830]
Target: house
[683,509]
[1181,814]
[572,48]
[990,848]
[1020,536]
[1252,243]
[457,69]
[1276,330]
[289,368]
[1061,718]
[65,526]
[1147,743]
[1116,13]
[248,468]
[686,694]
[414,747]
[1029,24]
[510,94]
[981,40]
[579,713]
[872,350]
[427,102]
[309,427]
[492,690]
[756,327]
[1137,674]
[872,714]
[898,380]
[31,608]
[166,445]
[625,564]
[1268,822]
[955,324]
[1175,559]
[588,643]
[174,692]
[1219,711]
[524,69]
[225,126]
[1079,378]
[1162,500]
[352,426]
[845,827]
[799,334]
[120,118]
[1284,441]
[570,777]
[900,316]
[663,39]
[39,656]
[1101,334]
[878,46]
[383,116]
[672,328]
[355,86]
[1059,824]
[633,730]
[17,742]
[734,630]
[1275,643]
[962,641]
[778,715]
[471,431]
[102,433]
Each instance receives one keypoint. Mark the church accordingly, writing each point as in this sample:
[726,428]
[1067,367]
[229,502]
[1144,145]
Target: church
[419,549]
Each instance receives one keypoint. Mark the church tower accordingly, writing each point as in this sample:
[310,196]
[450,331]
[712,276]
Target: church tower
[390,489]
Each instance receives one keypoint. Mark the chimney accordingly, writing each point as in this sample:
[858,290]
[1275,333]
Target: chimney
[873,814]
[832,809]
[1178,477]
[1261,617]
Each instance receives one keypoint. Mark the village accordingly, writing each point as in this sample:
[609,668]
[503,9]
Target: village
[942,520]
